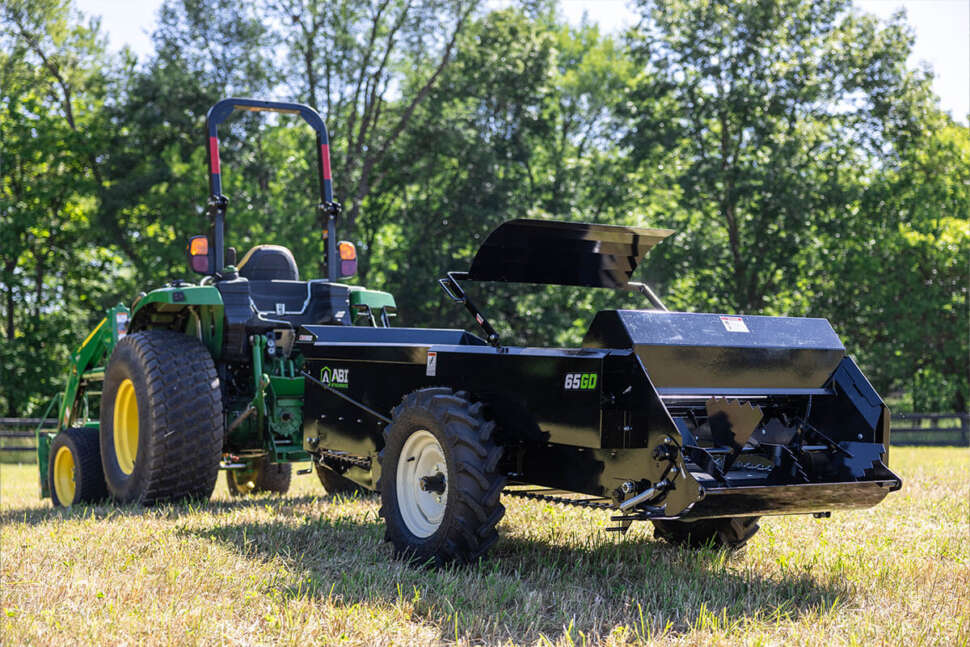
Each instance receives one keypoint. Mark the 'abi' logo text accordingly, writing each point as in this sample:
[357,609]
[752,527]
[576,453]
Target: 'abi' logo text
[335,378]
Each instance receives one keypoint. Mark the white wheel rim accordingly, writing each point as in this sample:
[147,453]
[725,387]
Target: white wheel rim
[422,510]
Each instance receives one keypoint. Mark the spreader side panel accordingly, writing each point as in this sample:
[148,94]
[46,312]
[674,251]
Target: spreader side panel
[535,395]
[722,354]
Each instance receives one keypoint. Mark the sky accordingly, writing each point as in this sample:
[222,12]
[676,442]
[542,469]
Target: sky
[942,30]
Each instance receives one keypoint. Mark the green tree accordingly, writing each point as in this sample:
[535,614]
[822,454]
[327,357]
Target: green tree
[205,50]
[522,127]
[773,112]
[52,87]
[897,282]
[367,67]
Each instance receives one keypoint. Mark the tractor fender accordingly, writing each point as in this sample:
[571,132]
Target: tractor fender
[193,309]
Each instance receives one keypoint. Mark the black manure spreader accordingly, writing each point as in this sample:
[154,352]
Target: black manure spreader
[697,423]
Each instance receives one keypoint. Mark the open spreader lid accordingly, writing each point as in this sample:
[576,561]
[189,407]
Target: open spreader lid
[563,253]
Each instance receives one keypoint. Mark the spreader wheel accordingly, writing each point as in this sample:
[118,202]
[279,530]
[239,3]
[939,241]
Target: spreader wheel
[731,533]
[335,483]
[440,485]
[161,419]
[262,476]
[74,471]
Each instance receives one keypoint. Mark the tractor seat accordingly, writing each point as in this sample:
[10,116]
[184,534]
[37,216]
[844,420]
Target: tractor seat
[269,263]
[277,294]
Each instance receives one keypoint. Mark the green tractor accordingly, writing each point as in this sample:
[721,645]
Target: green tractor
[192,379]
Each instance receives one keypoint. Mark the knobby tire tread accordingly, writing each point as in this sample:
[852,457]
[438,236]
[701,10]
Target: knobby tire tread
[89,476]
[731,533]
[184,404]
[335,483]
[474,508]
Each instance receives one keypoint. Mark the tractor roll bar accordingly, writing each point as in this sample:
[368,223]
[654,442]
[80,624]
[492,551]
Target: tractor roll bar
[217,202]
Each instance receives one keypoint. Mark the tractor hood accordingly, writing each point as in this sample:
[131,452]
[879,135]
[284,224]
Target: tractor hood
[712,354]
[563,253]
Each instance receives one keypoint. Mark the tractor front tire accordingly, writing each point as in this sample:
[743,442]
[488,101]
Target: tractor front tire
[440,484]
[335,483]
[730,533]
[161,419]
[74,471]
[263,476]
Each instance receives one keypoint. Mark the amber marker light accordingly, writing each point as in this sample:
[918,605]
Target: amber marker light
[347,251]
[199,246]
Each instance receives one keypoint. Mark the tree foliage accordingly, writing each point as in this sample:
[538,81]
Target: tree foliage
[909,244]
[55,259]
[772,112]
[807,170]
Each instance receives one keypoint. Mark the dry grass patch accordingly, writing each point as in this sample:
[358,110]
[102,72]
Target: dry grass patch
[310,569]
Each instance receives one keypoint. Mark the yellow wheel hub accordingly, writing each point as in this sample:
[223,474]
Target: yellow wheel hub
[64,476]
[246,482]
[126,427]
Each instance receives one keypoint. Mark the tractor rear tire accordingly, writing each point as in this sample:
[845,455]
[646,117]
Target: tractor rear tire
[74,471]
[161,419]
[335,483]
[440,480]
[264,477]
[730,533]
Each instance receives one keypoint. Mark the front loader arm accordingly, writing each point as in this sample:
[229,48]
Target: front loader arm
[88,361]
[87,364]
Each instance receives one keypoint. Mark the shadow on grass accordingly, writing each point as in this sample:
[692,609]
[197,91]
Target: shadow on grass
[44,512]
[528,588]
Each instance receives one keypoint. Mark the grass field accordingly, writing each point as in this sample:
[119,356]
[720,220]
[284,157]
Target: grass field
[312,570]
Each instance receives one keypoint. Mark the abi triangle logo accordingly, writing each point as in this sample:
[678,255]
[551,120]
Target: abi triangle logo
[335,378]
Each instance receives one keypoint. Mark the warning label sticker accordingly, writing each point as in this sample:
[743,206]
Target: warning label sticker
[734,324]
[432,366]
[121,323]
